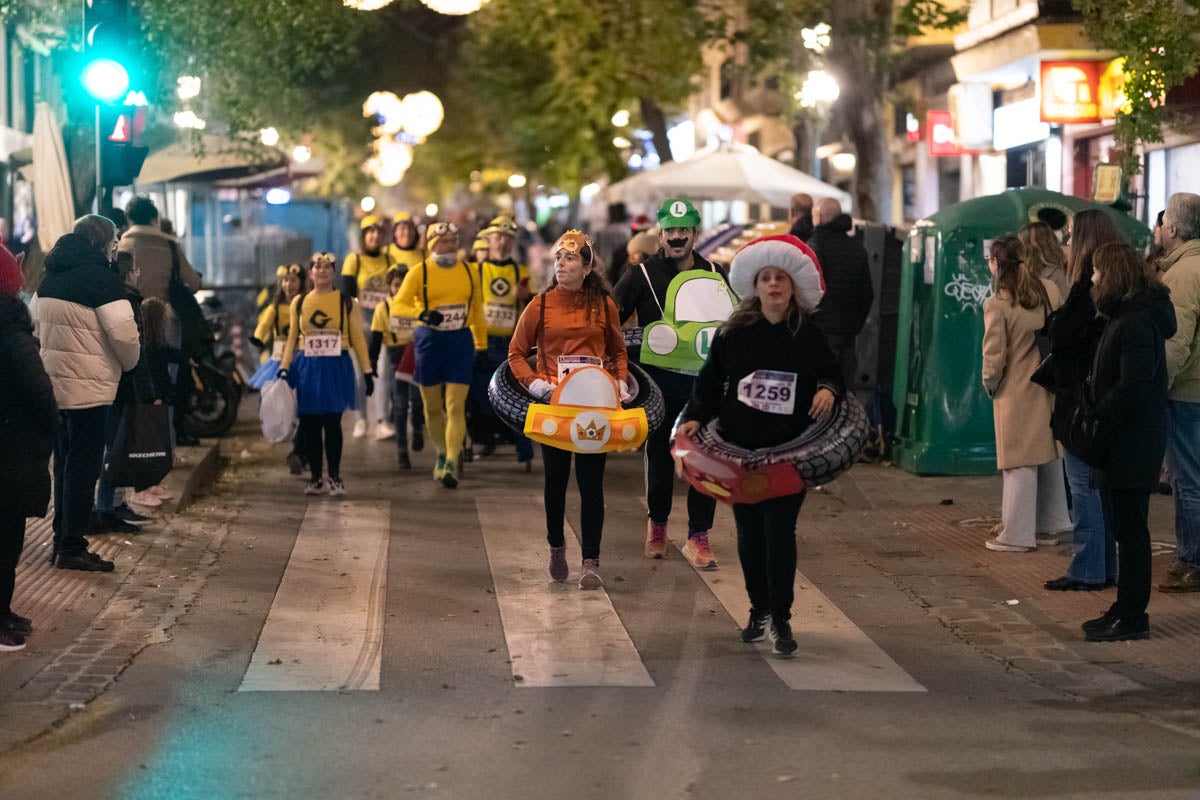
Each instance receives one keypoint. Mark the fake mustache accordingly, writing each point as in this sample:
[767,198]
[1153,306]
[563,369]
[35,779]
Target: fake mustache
[681,242]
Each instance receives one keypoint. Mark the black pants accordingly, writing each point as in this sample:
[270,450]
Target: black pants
[406,402]
[316,427]
[12,540]
[846,353]
[1125,514]
[660,475]
[78,458]
[589,477]
[766,535]
[185,387]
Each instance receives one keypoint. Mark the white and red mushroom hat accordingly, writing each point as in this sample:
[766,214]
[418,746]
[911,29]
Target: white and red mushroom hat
[787,253]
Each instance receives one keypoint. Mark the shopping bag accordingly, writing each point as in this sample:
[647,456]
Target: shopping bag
[278,411]
[143,442]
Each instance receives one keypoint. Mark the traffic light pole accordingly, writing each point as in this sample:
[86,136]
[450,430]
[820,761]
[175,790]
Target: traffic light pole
[99,178]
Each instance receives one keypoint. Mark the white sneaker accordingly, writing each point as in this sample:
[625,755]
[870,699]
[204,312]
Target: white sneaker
[360,428]
[383,431]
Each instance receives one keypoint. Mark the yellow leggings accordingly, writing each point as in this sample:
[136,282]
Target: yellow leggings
[447,428]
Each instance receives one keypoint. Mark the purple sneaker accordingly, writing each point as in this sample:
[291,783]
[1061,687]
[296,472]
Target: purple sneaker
[558,563]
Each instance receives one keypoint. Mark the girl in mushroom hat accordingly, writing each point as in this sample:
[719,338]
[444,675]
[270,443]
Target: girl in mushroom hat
[769,374]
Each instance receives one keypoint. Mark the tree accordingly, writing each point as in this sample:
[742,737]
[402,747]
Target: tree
[1158,42]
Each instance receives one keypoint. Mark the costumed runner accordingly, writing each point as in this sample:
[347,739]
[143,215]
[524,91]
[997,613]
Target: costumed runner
[574,325]
[769,374]
[479,249]
[272,331]
[405,248]
[672,304]
[443,295]
[326,326]
[505,285]
[395,333]
[364,275]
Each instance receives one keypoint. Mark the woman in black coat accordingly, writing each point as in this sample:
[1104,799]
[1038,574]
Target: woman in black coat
[1129,403]
[28,421]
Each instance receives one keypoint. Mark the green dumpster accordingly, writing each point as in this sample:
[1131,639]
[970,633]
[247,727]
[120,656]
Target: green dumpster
[944,424]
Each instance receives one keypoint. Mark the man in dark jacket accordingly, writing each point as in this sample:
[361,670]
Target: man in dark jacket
[848,290]
[28,422]
[89,338]
[800,216]
[641,296]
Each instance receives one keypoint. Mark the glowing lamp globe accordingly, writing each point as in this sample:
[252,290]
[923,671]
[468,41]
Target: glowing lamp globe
[106,80]
[422,114]
[455,7]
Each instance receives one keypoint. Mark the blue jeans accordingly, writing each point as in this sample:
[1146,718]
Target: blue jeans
[1095,558]
[1183,460]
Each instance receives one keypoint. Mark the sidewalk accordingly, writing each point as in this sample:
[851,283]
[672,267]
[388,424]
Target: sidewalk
[88,626]
[904,518]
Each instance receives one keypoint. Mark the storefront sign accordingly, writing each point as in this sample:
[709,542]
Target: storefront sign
[939,126]
[1081,91]
[1107,183]
[1018,124]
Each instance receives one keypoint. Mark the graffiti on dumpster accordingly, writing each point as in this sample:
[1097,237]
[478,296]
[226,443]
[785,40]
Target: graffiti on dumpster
[969,295]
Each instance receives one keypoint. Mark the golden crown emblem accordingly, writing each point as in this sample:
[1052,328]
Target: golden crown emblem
[592,432]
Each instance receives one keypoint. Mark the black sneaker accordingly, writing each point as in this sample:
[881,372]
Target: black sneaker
[418,440]
[403,461]
[109,522]
[1106,620]
[295,463]
[83,561]
[1123,630]
[11,641]
[315,486]
[17,624]
[756,628]
[99,522]
[129,515]
[781,638]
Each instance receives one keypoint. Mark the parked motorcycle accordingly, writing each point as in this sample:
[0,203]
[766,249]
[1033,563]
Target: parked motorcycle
[218,383]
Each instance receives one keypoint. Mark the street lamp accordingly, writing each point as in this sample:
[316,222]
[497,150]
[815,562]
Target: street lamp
[421,114]
[818,92]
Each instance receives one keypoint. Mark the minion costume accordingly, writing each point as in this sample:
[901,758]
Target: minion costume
[364,275]
[405,257]
[505,285]
[272,330]
[444,296]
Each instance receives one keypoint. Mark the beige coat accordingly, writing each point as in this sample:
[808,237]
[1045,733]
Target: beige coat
[152,258]
[1010,356]
[1182,277]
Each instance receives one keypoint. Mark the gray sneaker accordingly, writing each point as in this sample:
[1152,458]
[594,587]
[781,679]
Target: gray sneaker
[589,577]
[558,563]
[1187,581]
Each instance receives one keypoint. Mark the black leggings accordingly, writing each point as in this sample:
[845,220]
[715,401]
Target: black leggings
[12,540]
[589,477]
[766,535]
[311,428]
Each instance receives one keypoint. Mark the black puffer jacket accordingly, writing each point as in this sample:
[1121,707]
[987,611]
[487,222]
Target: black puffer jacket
[1129,385]
[848,290]
[1074,331]
[28,415]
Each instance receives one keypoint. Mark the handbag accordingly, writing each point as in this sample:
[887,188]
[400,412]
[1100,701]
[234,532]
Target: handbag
[143,443]
[196,335]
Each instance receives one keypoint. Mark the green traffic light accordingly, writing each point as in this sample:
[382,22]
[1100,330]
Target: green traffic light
[106,80]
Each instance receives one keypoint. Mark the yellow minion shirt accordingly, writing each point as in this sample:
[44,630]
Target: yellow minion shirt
[408,258]
[500,304]
[396,329]
[273,325]
[371,274]
[326,313]
[454,291]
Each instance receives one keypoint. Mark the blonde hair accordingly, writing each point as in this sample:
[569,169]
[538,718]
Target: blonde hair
[1043,253]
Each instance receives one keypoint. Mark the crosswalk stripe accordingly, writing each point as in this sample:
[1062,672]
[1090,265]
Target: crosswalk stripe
[324,631]
[557,635]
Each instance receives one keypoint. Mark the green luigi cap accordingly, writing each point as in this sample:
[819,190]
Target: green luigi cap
[678,213]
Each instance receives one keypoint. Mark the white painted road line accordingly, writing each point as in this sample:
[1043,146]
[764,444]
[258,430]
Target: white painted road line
[834,654]
[325,628]
[557,634]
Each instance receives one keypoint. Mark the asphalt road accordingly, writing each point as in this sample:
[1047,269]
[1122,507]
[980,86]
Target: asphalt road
[451,718]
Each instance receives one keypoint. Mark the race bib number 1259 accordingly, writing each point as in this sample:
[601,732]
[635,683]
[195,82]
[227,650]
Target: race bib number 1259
[769,391]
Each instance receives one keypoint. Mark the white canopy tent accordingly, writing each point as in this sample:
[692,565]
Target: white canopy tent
[51,177]
[724,172]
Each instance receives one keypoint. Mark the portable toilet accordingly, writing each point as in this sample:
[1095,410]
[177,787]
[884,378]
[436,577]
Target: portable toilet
[944,417]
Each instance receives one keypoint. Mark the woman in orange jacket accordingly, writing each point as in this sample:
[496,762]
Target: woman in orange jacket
[576,317]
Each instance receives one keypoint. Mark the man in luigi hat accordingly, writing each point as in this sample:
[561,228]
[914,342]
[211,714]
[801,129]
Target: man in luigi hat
[364,275]
[642,294]
[505,284]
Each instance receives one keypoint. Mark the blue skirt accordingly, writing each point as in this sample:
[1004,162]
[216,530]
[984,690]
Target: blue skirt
[444,356]
[264,374]
[323,385]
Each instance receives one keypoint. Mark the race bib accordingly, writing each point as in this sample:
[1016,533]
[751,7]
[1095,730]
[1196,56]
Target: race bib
[369,300]
[568,364]
[323,343]
[500,316]
[769,391]
[453,317]
[277,350]
[401,325]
